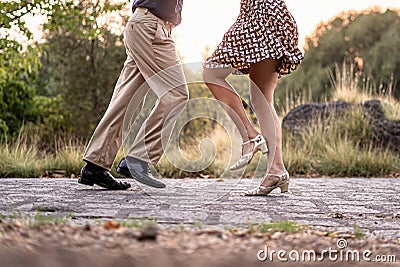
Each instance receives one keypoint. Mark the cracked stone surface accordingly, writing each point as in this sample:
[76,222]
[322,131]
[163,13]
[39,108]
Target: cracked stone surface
[331,204]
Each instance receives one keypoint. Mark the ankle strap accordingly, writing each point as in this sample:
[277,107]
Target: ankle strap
[278,175]
[252,140]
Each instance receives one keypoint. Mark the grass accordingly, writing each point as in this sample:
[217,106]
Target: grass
[206,154]
[22,158]
[41,220]
[135,223]
[341,149]
[352,88]
[19,159]
[283,226]
[68,157]
[358,232]
[198,225]
[16,215]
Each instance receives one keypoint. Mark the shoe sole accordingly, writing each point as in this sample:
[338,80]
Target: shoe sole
[85,182]
[91,183]
[126,174]
[147,181]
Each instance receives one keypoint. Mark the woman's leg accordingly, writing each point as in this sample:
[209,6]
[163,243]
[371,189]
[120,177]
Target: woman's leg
[215,79]
[264,78]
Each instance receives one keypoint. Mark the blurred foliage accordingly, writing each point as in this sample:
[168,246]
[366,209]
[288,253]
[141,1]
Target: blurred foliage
[368,40]
[19,66]
[82,59]
[83,72]
[13,12]
[48,86]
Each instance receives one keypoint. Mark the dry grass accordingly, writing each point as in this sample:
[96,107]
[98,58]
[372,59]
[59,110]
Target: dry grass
[342,148]
[22,158]
[347,88]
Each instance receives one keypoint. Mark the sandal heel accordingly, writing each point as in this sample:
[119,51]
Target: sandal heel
[282,183]
[264,148]
[285,187]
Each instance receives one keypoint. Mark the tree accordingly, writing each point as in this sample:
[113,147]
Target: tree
[79,54]
[18,65]
[368,40]
[82,59]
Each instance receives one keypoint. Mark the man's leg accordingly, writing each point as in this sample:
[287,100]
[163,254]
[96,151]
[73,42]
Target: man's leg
[155,132]
[154,51]
[107,138]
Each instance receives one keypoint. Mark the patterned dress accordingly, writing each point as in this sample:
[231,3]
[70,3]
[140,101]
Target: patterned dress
[264,29]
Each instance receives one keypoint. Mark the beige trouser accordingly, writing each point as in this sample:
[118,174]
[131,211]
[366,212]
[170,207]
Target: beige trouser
[152,63]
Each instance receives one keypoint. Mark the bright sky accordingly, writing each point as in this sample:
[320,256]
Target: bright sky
[205,21]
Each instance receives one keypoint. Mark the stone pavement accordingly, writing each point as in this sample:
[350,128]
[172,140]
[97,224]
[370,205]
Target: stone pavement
[332,204]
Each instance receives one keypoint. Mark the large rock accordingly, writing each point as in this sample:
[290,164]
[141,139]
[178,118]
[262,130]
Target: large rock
[302,115]
[385,132]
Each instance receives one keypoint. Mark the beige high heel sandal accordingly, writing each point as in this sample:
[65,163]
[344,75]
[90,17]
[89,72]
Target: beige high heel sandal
[259,144]
[282,183]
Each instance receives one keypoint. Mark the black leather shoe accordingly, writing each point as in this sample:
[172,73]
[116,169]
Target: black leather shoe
[138,170]
[101,177]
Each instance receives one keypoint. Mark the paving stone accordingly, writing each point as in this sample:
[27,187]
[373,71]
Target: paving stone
[332,204]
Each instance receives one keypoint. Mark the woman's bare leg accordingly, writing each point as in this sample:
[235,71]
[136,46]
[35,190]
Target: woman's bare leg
[215,79]
[264,78]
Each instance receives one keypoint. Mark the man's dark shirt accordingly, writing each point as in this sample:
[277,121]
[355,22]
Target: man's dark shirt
[169,10]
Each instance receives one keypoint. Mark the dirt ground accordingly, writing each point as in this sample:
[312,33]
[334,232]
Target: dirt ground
[110,244]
